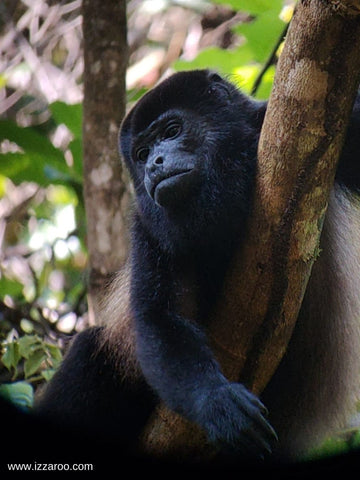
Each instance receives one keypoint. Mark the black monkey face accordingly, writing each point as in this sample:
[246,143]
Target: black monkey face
[169,158]
[168,185]
[188,144]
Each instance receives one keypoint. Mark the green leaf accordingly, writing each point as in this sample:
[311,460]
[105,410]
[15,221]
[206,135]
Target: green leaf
[40,162]
[33,363]
[252,6]
[55,353]
[27,345]
[11,164]
[48,374]
[2,185]
[77,152]
[69,115]
[30,141]
[245,76]
[262,34]
[3,81]
[43,277]
[22,167]
[10,287]
[266,84]
[34,167]
[331,446]
[19,393]
[223,61]
[11,356]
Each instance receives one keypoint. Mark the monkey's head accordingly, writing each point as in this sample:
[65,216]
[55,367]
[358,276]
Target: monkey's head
[186,136]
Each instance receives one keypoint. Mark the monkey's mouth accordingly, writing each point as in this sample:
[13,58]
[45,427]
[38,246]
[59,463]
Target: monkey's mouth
[169,187]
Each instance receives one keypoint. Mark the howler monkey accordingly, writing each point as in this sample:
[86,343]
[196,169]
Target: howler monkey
[190,145]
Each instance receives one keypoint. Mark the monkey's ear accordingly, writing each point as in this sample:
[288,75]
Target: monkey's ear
[214,76]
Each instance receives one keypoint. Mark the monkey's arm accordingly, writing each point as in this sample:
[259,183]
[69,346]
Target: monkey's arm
[179,365]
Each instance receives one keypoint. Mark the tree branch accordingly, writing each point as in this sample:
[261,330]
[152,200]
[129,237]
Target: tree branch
[105,194]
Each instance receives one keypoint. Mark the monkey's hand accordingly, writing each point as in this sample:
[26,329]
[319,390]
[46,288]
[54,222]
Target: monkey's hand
[234,419]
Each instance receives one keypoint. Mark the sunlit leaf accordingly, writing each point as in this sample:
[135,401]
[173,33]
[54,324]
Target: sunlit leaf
[245,76]
[266,84]
[2,185]
[223,61]
[61,195]
[262,34]
[252,6]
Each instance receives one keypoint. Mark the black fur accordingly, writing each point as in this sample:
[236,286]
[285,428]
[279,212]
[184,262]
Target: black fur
[89,395]
[190,146]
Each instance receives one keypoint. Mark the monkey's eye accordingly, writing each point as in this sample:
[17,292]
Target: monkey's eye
[172,130]
[142,154]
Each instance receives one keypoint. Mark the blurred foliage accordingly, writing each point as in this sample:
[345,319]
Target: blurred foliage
[344,442]
[42,219]
[43,258]
[261,35]
[37,358]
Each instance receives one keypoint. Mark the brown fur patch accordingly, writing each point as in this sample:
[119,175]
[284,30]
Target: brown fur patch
[118,336]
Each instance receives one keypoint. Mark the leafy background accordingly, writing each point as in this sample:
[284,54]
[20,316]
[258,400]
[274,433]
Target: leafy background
[43,253]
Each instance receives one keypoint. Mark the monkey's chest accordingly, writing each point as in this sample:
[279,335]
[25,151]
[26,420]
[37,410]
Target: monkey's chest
[187,291]
[195,295]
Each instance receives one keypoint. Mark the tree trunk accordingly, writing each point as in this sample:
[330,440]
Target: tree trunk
[314,90]
[105,186]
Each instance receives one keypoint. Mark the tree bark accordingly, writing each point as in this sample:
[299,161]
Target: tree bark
[316,82]
[105,185]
